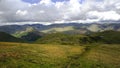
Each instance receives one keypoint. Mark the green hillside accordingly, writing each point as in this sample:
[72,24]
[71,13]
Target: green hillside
[18,55]
[66,39]
[30,34]
[98,56]
[109,36]
[4,37]
[60,50]
[19,34]
[78,39]
[60,38]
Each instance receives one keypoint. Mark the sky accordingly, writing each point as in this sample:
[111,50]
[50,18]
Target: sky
[58,11]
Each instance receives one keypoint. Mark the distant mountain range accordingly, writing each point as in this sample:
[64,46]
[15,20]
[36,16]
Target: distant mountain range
[89,33]
[67,28]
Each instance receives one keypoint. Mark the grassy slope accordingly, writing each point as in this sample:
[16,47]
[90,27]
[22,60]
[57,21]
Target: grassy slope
[19,34]
[60,38]
[17,55]
[30,34]
[58,29]
[100,56]
[112,37]
[8,38]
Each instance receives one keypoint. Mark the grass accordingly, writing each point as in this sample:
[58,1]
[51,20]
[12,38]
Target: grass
[100,56]
[17,55]
[23,55]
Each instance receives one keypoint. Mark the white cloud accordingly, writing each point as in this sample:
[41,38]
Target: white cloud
[59,4]
[1,12]
[46,2]
[22,13]
[46,11]
[107,15]
[42,11]
[117,6]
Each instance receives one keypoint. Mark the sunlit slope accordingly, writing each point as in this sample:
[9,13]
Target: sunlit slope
[58,29]
[30,34]
[17,55]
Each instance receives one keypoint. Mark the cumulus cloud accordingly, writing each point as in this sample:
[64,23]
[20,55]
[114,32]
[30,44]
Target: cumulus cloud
[64,11]
[107,15]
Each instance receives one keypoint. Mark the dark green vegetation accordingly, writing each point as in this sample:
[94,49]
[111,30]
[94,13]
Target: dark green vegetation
[60,38]
[110,37]
[4,37]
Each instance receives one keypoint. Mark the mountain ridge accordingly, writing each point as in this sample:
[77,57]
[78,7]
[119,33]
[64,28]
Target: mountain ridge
[77,27]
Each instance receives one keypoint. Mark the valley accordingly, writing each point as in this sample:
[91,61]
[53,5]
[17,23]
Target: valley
[58,48]
[59,33]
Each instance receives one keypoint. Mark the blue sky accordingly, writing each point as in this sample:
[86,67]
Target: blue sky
[58,11]
[32,1]
[59,0]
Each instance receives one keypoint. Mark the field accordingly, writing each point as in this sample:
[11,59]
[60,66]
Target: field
[100,56]
[17,55]
[22,55]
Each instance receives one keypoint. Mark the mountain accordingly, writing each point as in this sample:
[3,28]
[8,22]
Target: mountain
[4,37]
[11,29]
[29,34]
[58,29]
[75,28]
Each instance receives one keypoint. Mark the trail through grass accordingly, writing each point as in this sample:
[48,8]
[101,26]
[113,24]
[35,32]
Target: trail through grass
[99,56]
[77,57]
